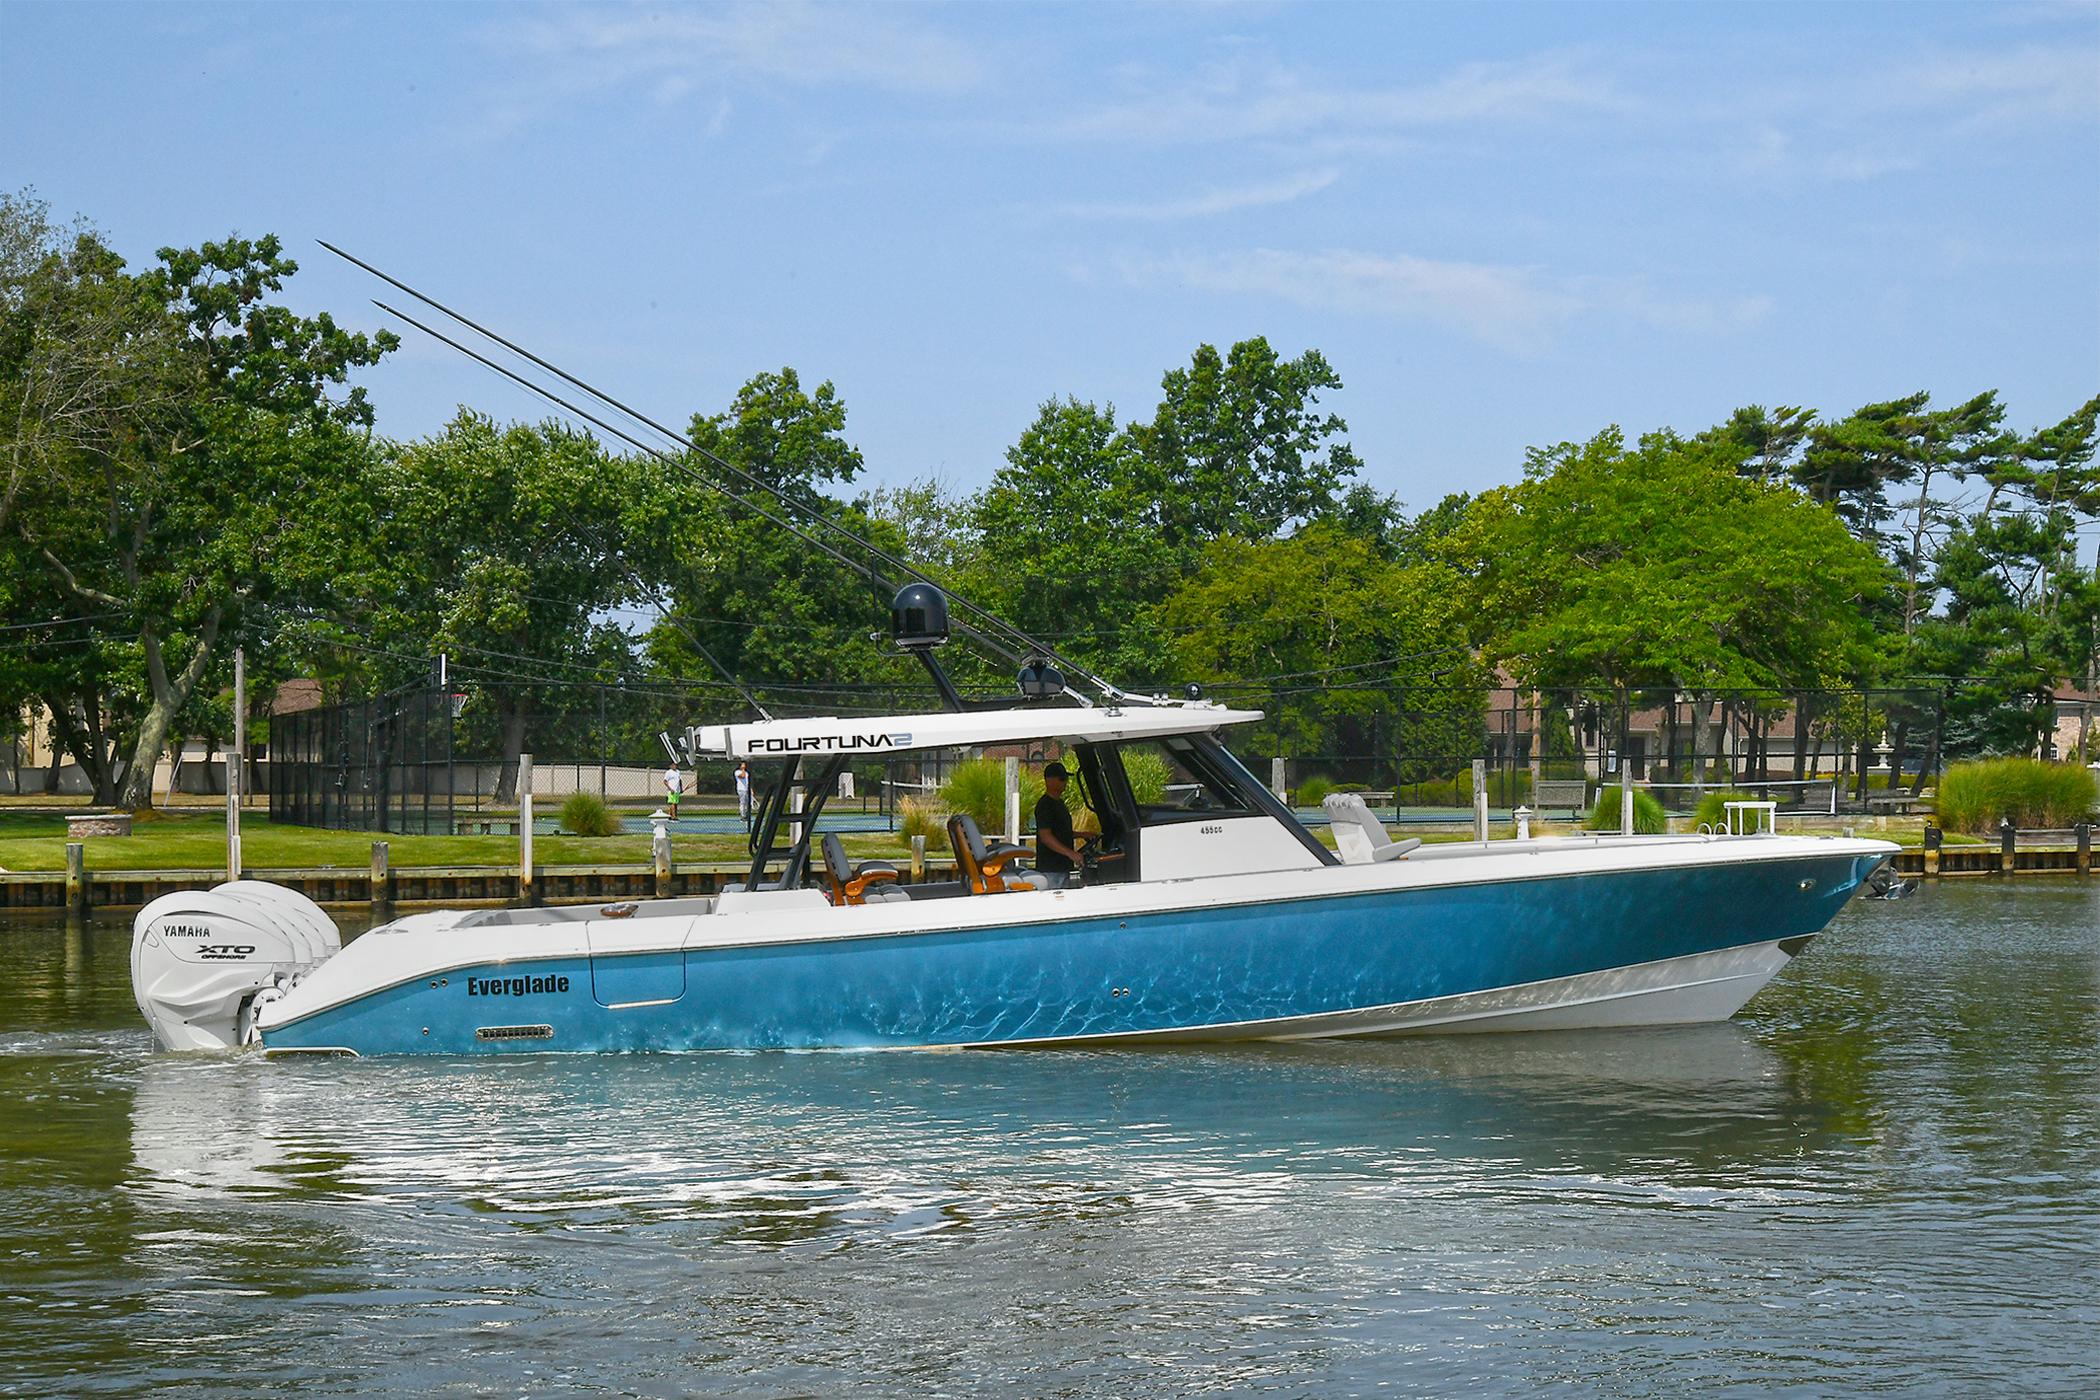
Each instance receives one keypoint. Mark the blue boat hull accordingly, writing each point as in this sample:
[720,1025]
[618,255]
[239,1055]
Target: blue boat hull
[1222,973]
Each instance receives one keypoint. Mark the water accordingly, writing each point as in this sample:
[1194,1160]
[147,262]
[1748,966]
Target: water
[1885,1175]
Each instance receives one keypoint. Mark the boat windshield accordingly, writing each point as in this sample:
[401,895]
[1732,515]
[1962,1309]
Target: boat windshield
[1172,780]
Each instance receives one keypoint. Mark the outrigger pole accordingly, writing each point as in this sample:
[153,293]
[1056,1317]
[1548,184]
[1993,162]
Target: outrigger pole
[1028,644]
[865,570]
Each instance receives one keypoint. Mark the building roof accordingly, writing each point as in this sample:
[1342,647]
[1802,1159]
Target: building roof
[879,734]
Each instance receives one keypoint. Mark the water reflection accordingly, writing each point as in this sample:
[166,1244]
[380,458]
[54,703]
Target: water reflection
[821,1148]
[1890,1168]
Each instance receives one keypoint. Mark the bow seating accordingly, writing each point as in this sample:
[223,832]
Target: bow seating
[1359,836]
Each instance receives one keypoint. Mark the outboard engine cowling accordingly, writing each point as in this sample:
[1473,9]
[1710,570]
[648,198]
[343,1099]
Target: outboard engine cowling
[202,959]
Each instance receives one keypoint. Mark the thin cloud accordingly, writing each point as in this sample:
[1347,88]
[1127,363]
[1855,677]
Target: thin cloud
[1841,124]
[794,41]
[564,56]
[1209,203]
[2018,85]
[1519,309]
[1246,102]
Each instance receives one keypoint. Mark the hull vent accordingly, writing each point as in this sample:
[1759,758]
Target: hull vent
[514,1033]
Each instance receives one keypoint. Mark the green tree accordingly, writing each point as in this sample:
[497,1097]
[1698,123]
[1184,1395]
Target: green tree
[2018,609]
[765,604]
[1659,564]
[1072,550]
[1352,640]
[503,547]
[1765,442]
[203,477]
[1240,445]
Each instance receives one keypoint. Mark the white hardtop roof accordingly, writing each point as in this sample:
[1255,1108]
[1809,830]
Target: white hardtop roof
[968,729]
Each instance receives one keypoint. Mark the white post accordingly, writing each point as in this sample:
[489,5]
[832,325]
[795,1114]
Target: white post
[1480,800]
[1013,801]
[525,827]
[1278,782]
[660,851]
[235,774]
[1625,799]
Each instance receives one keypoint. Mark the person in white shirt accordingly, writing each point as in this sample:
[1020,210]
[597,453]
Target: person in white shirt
[743,793]
[674,787]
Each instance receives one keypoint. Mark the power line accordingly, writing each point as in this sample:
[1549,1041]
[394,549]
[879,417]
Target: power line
[57,622]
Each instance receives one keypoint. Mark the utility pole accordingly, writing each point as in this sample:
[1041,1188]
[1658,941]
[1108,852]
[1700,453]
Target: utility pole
[236,764]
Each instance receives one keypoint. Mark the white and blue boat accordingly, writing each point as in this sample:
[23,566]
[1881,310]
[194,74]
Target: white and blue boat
[1213,914]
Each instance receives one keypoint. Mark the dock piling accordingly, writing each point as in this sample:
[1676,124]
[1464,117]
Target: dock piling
[1933,838]
[2085,848]
[76,878]
[382,880]
[525,829]
[918,860]
[2008,840]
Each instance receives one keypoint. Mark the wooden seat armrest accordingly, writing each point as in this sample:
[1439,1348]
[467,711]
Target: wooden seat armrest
[857,887]
[999,857]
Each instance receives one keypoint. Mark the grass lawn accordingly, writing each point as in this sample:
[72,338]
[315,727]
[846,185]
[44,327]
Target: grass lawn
[197,841]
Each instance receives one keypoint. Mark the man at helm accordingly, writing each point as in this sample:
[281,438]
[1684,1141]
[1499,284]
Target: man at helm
[1056,848]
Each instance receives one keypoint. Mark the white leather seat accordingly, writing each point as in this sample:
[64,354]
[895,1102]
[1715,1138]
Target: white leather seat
[1359,836]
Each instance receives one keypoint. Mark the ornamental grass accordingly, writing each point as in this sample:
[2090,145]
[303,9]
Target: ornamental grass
[585,814]
[2028,792]
[1649,818]
[1712,810]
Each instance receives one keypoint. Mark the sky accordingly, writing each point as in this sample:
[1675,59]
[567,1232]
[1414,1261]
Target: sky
[1504,225]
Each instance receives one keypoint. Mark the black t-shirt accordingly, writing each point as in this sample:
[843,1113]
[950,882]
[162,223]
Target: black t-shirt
[1052,816]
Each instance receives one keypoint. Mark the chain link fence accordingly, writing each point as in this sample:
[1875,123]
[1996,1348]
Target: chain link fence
[428,760]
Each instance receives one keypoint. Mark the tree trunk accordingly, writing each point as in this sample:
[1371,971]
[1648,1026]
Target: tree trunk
[81,736]
[1702,715]
[1929,766]
[1538,741]
[513,748]
[1804,721]
[168,695]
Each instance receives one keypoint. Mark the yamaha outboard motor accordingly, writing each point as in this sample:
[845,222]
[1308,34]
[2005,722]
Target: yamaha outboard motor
[202,960]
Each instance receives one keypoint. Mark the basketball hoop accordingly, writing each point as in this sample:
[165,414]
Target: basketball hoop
[459,702]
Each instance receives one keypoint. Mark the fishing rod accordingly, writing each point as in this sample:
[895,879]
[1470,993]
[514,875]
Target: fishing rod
[686,445]
[867,571]
[1028,643]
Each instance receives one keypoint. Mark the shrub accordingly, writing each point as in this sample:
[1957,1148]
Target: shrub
[585,814]
[1649,818]
[1147,771]
[921,816]
[1312,792]
[1713,808]
[1977,796]
[979,788]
